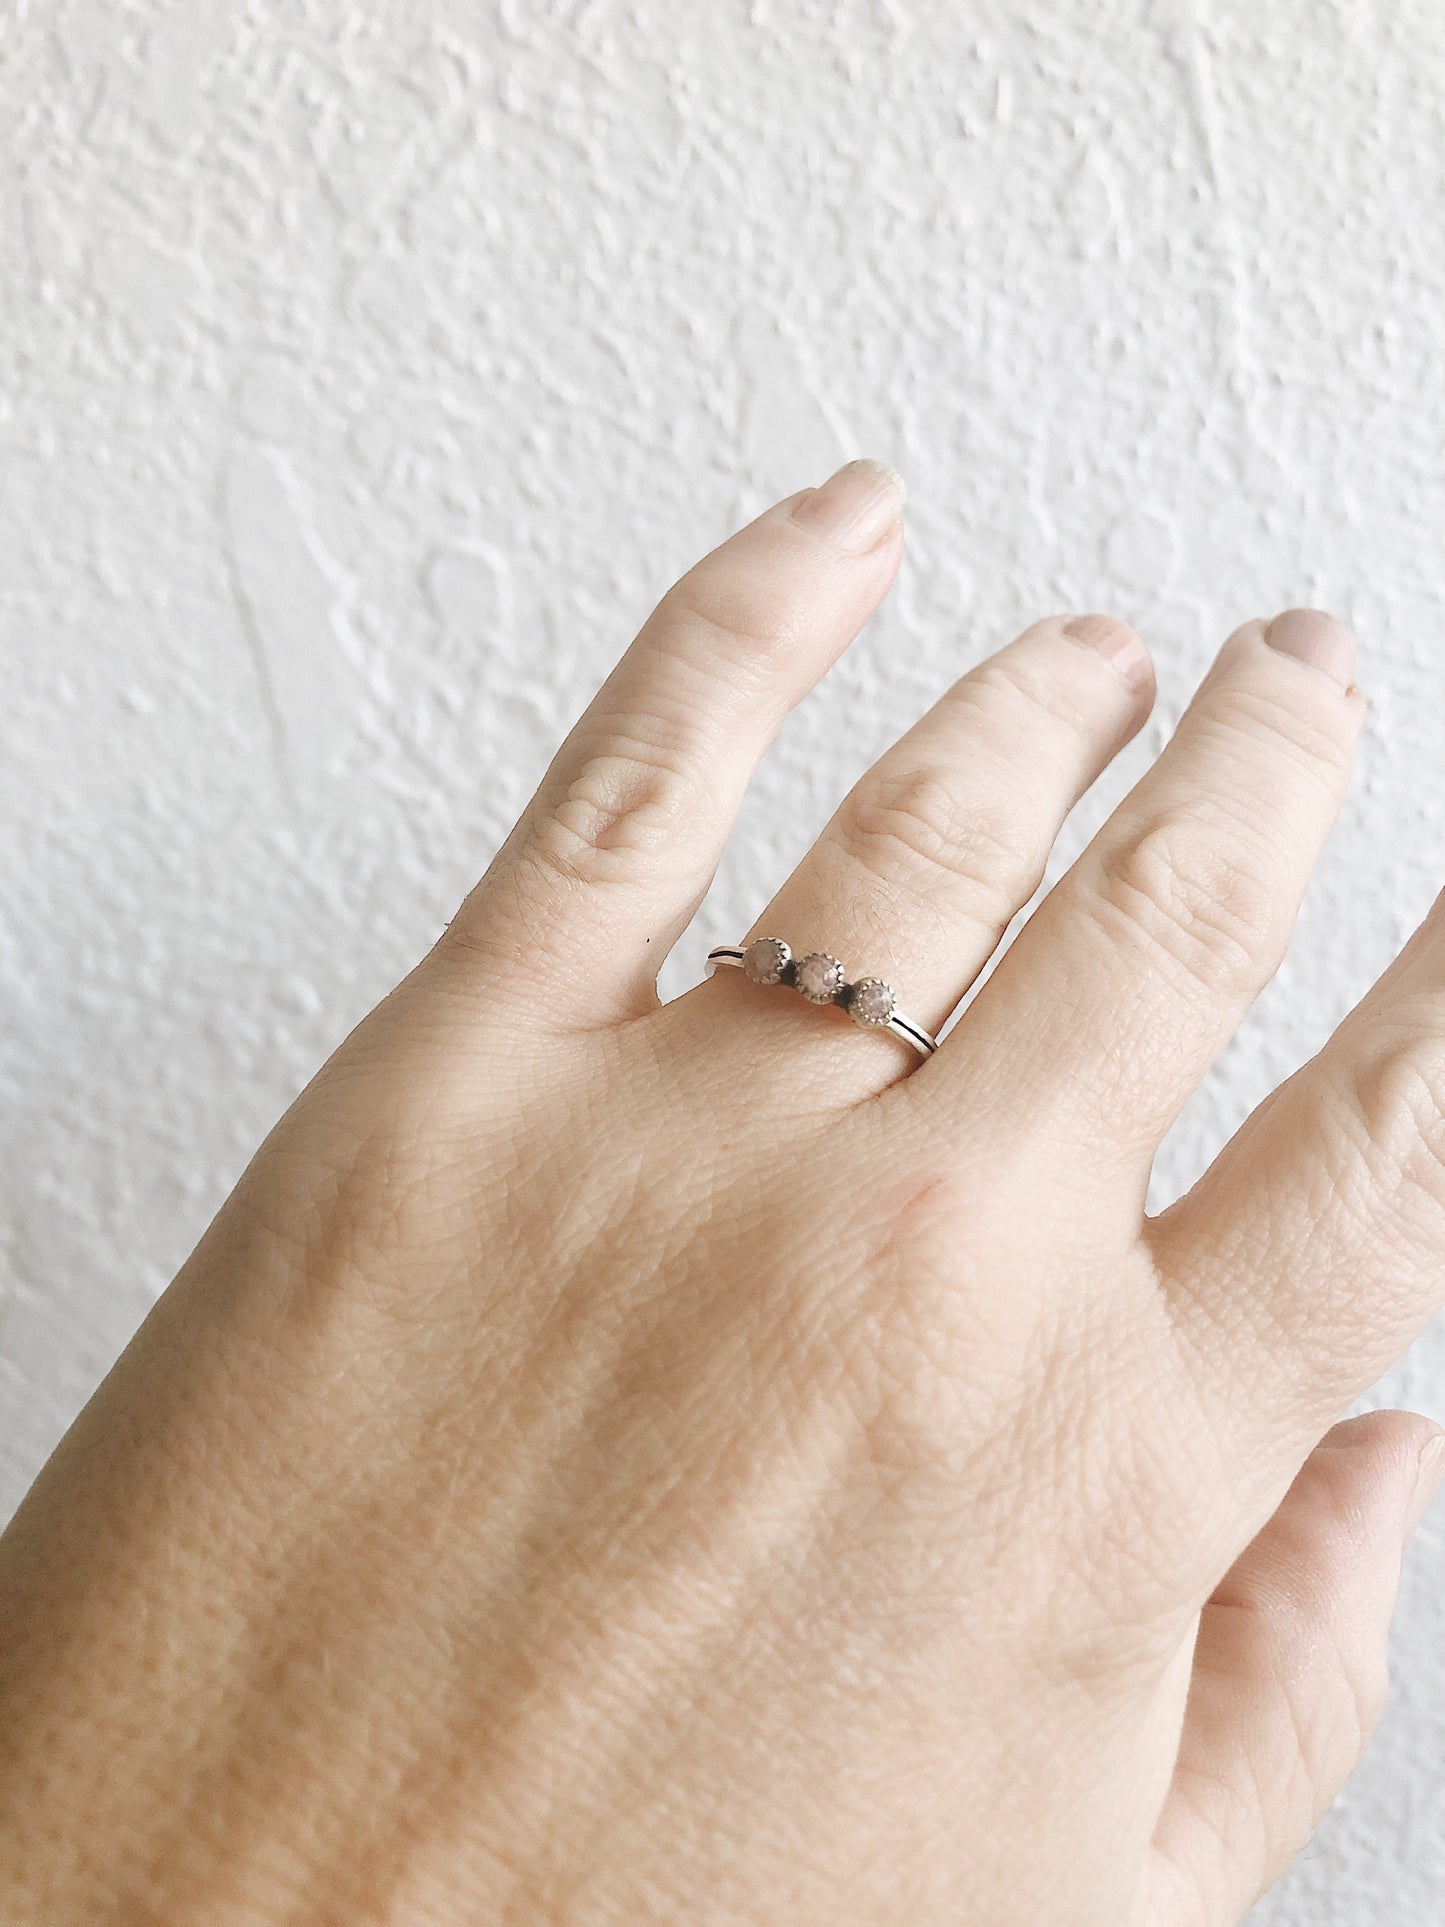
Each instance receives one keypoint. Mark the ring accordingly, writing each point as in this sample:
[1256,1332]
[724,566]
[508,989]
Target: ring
[820,978]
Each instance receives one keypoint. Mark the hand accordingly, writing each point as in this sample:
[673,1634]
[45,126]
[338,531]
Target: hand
[613,1462]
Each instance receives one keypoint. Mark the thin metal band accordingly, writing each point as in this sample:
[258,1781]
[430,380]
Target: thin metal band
[782,968]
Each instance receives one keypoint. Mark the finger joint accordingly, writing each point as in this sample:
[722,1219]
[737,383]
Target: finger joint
[1203,900]
[913,828]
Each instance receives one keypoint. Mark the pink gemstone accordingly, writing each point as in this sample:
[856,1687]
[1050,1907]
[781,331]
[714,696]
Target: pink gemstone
[819,977]
[765,960]
[870,1002]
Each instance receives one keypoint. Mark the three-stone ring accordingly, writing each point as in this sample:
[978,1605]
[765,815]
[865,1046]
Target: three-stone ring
[821,980]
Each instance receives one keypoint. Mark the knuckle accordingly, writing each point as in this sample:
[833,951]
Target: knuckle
[1202,898]
[1019,697]
[914,827]
[1393,1102]
[621,803]
[1310,740]
[1022,689]
[716,604]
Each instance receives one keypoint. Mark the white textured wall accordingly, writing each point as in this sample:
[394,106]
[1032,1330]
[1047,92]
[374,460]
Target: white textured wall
[367,370]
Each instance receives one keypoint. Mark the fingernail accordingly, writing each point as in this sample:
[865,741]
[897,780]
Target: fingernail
[1117,643]
[1427,1483]
[855,508]
[1311,636]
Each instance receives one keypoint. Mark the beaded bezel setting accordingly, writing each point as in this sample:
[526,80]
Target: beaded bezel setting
[820,978]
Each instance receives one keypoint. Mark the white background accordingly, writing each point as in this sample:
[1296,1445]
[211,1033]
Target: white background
[369,368]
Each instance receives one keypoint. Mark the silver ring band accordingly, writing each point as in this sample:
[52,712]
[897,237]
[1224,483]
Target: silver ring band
[820,978]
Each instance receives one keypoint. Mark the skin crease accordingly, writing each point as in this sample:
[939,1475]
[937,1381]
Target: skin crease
[614,1462]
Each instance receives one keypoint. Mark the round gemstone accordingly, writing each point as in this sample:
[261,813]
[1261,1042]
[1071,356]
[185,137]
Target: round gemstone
[819,977]
[766,960]
[870,1002]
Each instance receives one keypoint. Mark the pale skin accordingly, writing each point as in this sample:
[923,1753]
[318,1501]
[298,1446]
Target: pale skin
[622,1462]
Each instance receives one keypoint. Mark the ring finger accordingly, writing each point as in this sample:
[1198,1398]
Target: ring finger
[928,858]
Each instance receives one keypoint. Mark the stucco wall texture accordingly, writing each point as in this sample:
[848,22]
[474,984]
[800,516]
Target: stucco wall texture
[369,368]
